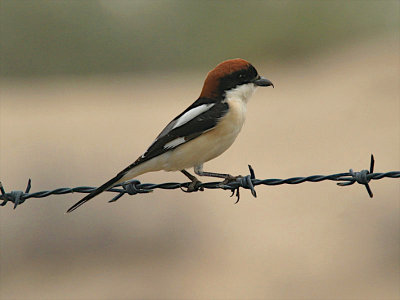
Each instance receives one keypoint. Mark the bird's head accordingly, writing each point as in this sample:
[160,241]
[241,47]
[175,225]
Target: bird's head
[234,78]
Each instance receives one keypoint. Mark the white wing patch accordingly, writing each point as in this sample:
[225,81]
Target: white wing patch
[186,117]
[174,143]
[191,114]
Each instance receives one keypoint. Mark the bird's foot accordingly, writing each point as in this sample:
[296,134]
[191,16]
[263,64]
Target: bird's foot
[194,186]
[235,191]
[228,179]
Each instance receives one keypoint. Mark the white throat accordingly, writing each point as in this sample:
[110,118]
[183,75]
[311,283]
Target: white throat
[242,92]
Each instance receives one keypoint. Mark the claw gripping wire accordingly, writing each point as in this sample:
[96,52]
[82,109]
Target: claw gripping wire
[245,182]
[249,182]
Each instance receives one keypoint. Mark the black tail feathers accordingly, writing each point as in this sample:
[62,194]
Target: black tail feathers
[97,191]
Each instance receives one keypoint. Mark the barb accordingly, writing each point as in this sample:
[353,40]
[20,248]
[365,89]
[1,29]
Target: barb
[249,182]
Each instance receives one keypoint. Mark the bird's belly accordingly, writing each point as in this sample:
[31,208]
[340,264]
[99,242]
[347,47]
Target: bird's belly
[210,144]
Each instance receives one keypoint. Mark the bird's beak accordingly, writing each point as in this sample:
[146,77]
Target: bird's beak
[261,81]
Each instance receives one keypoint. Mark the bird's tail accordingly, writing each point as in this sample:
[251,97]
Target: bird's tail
[139,167]
[97,191]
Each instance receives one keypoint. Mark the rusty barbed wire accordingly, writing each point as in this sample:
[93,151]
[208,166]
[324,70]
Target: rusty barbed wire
[249,182]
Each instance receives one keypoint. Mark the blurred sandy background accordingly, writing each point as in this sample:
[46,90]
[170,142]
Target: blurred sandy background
[87,85]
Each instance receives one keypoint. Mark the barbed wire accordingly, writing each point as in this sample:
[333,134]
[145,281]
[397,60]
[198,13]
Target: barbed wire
[249,182]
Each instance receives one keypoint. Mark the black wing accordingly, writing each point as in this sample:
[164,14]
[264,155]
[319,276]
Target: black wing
[198,125]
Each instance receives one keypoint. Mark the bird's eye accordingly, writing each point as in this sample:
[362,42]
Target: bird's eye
[241,76]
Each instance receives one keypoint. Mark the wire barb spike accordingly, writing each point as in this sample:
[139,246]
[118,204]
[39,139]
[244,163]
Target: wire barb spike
[363,177]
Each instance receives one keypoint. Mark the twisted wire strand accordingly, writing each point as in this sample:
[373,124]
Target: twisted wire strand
[247,182]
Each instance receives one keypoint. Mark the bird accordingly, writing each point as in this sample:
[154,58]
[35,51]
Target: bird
[203,131]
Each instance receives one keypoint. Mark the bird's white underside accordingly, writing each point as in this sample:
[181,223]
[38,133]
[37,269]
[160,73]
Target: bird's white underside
[208,145]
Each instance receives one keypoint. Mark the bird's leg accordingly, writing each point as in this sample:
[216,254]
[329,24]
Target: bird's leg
[228,178]
[194,185]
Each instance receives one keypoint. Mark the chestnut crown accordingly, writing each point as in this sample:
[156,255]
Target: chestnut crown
[228,75]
